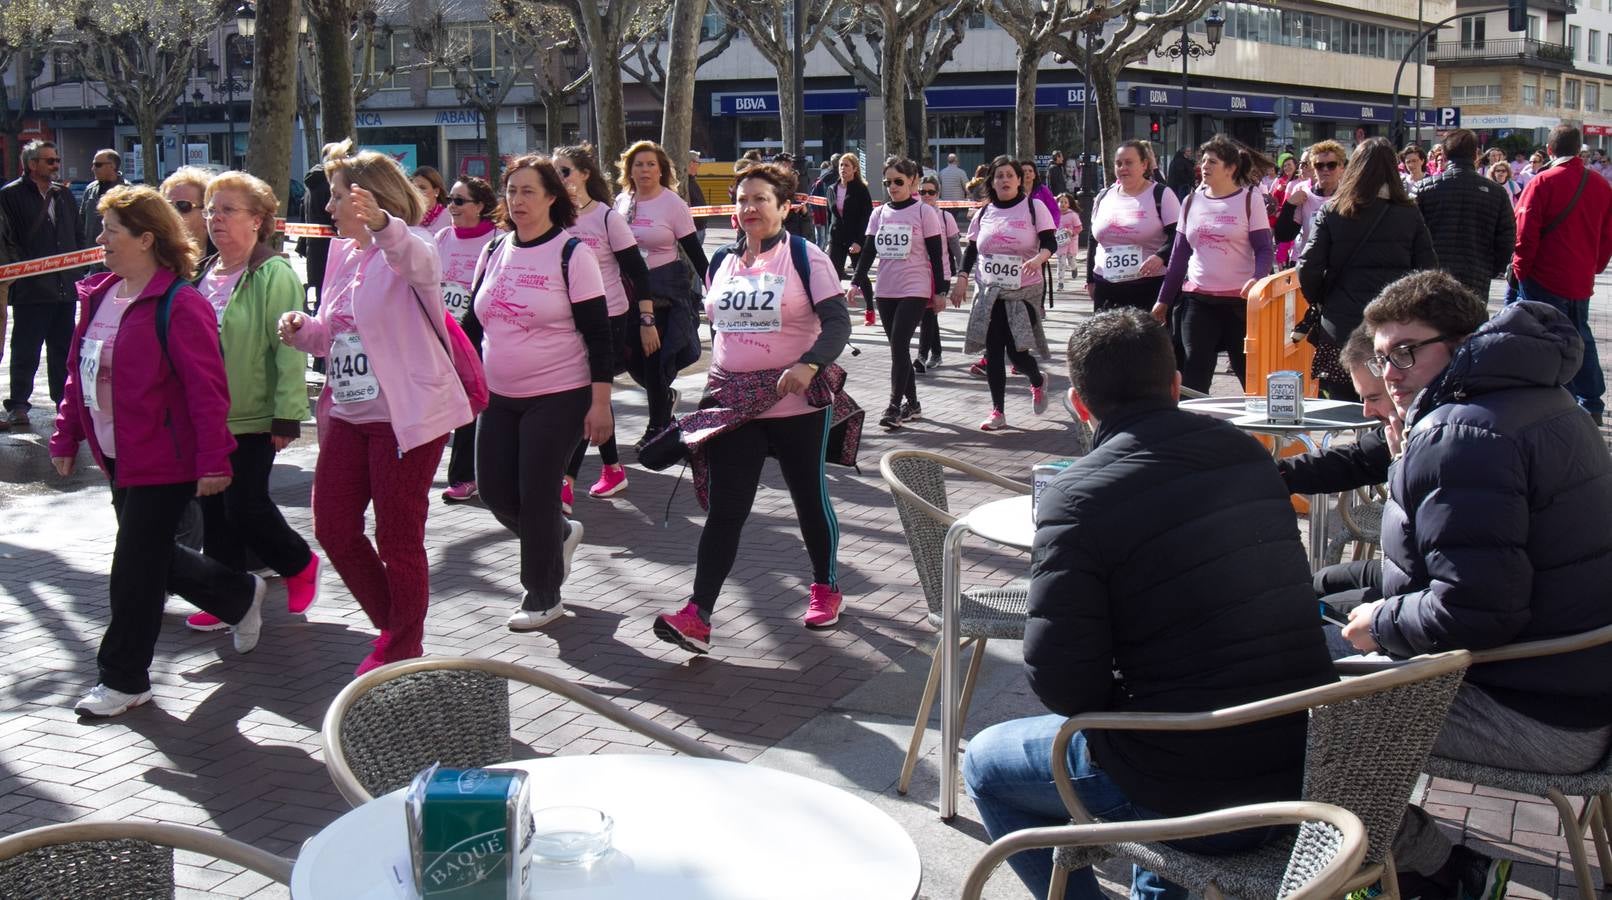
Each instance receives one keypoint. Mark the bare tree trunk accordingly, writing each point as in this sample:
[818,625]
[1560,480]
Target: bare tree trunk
[1024,101]
[894,77]
[495,159]
[553,121]
[337,111]
[923,128]
[786,101]
[146,125]
[677,121]
[610,115]
[274,95]
[1105,94]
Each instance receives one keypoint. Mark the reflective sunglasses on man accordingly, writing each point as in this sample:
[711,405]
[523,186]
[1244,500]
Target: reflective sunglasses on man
[1401,357]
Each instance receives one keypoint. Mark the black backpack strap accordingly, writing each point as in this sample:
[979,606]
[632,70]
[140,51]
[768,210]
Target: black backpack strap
[1158,202]
[565,262]
[165,309]
[803,263]
[491,249]
[1583,179]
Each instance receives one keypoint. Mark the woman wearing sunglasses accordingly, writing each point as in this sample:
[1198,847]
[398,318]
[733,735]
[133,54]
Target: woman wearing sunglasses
[907,237]
[472,210]
[929,329]
[607,234]
[185,190]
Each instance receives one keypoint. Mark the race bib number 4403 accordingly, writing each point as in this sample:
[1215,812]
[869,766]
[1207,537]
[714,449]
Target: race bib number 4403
[456,297]
[748,303]
[893,241]
[351,378]
[1006,271]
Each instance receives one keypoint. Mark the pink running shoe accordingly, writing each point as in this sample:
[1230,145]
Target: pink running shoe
[302,589]
[994,422]
[823,606]
[203,621]
[566,497]
[1038,400]
[612,481]
[685,629]
[977,368]
[459,492]
[373,661]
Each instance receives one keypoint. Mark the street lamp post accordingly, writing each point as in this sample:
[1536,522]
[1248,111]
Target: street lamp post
[1187,50]
[245,28]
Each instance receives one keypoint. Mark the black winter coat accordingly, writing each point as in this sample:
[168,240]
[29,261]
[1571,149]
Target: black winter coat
[849,226]
[1496,528]
[1167,576]
[1337,469]
[32,235]
[1397,245]
[1472,225]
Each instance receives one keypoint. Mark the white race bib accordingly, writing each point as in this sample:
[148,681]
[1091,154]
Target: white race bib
[351,378]
[748,303]
[89,367]
[893,241]
[999,269]
[456,297]
[1061,238]
[1122,263]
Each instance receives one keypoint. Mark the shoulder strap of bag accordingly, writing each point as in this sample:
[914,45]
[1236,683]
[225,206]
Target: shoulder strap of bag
[1335,272]
[1583,179]
[803,263]
[1158,201]
[565,262]
[165,310]
[491,249]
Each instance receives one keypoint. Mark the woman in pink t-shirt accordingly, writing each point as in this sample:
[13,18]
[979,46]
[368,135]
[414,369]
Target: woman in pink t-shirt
[1133,231]
[929,330]
[610,238]
[662,225]
[1009,240]
[1223,245]
[547,349]
[780,329]
[473,208]
[907,237]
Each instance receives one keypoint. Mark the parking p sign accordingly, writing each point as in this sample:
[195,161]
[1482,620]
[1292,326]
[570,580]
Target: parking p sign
[1449,117]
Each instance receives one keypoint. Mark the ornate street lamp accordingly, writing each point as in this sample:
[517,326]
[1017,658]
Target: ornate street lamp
[1186,50]
[245,29]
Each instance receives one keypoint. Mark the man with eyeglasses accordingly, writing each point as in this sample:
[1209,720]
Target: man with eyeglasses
[1495,532]
[1468,215]
[1297,215]
[42,220]
[107,167]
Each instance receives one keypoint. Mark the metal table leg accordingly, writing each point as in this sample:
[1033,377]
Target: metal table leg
[951,593]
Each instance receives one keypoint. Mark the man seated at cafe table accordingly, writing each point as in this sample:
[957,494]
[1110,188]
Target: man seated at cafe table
[1495,532]
[1166,575]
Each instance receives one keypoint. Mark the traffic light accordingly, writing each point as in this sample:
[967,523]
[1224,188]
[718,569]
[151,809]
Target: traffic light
[1517,15]
[1153,129]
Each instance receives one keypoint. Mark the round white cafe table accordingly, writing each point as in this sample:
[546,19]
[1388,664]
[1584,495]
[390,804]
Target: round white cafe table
[685,829]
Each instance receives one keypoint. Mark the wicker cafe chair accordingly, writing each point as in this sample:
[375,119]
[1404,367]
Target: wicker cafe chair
[917,482]
[116,860]
[1327,849]
[394,721]
[1361,512]
[1367,741]
[1594,785]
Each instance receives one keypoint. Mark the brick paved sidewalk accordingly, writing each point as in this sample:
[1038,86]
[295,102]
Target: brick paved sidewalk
[231,743]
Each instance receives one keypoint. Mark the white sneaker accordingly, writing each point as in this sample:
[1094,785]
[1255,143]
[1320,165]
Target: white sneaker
[102,702]
[250,628]
[532,619]
[569,548]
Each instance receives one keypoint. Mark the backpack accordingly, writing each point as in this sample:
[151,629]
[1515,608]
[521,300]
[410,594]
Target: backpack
[1158,200]
[797,253]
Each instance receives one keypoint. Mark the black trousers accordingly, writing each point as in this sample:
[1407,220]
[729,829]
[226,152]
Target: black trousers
[1208,326]
[1140,293]
[244,517]
[36,325]
[647,372]
[521,454]
[1347,585]
[999,344]
[929,335]
[608,454]
[900,317]
[838,250]
[799,443]
[147,565]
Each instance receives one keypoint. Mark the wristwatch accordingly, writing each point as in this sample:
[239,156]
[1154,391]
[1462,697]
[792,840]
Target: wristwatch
[646,320]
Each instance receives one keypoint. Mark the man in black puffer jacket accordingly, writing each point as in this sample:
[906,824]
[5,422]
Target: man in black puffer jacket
[1166,576]
[1468,215]
[1495,531]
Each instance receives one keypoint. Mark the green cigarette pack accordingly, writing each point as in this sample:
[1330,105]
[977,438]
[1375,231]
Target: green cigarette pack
[470,833]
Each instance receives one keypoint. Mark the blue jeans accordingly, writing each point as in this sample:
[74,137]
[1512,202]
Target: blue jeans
[1588,386]
[1008,771]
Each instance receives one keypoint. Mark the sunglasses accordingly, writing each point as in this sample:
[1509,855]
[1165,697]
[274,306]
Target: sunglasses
[1400,357]
[1327,166]
[565,171]
[929,192]
[51,160]
[894,182]
[185,207]
[460,201]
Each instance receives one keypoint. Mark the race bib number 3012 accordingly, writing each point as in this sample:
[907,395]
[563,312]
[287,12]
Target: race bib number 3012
[351,378]
[1006,271]
[748,303]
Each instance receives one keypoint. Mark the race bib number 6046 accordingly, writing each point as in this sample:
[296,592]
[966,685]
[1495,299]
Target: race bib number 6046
[997,269]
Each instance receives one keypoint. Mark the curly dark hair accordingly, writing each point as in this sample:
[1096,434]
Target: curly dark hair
[1120,357]
[1432,297]
[481,192]
[782,179]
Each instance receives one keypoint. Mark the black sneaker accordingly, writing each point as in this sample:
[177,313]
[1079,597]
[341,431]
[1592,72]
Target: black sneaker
[891,418]
[934,360]
[1478,877]
[918,365]
[911,411]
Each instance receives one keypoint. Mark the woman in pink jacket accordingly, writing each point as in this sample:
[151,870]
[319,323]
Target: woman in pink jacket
[391,394]
[154,415]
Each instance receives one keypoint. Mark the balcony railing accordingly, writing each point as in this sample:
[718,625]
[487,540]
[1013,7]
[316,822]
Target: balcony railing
[1506,48]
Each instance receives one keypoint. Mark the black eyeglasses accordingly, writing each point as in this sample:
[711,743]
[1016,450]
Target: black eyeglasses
[460,201]
[929,192]
[894,182]
[1400,357]
[185,207]
[565,171]
[1326,166]
[51,160]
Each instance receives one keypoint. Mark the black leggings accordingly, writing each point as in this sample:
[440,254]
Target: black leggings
[838,250]
[799,443]
[999,344]
[520,460]
[646,371]
[929,335]
[607,450]
[147,566]
[243,517]
[900,317]
[1208,326]
[1140,293]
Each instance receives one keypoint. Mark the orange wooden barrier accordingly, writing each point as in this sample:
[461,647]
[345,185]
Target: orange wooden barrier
[1274,306]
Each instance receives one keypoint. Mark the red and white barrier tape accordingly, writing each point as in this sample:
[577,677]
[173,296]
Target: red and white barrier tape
[89,256]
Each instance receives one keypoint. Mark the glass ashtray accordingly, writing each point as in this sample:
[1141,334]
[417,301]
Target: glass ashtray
[570,835]
[1254,404]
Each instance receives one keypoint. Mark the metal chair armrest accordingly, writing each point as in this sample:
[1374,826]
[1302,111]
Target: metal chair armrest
[181,837]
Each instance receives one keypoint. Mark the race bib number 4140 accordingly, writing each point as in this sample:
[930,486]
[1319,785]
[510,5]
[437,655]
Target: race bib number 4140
[351,378]
[748,303]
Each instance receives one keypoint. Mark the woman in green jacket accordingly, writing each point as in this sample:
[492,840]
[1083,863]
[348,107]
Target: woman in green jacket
[250,285]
